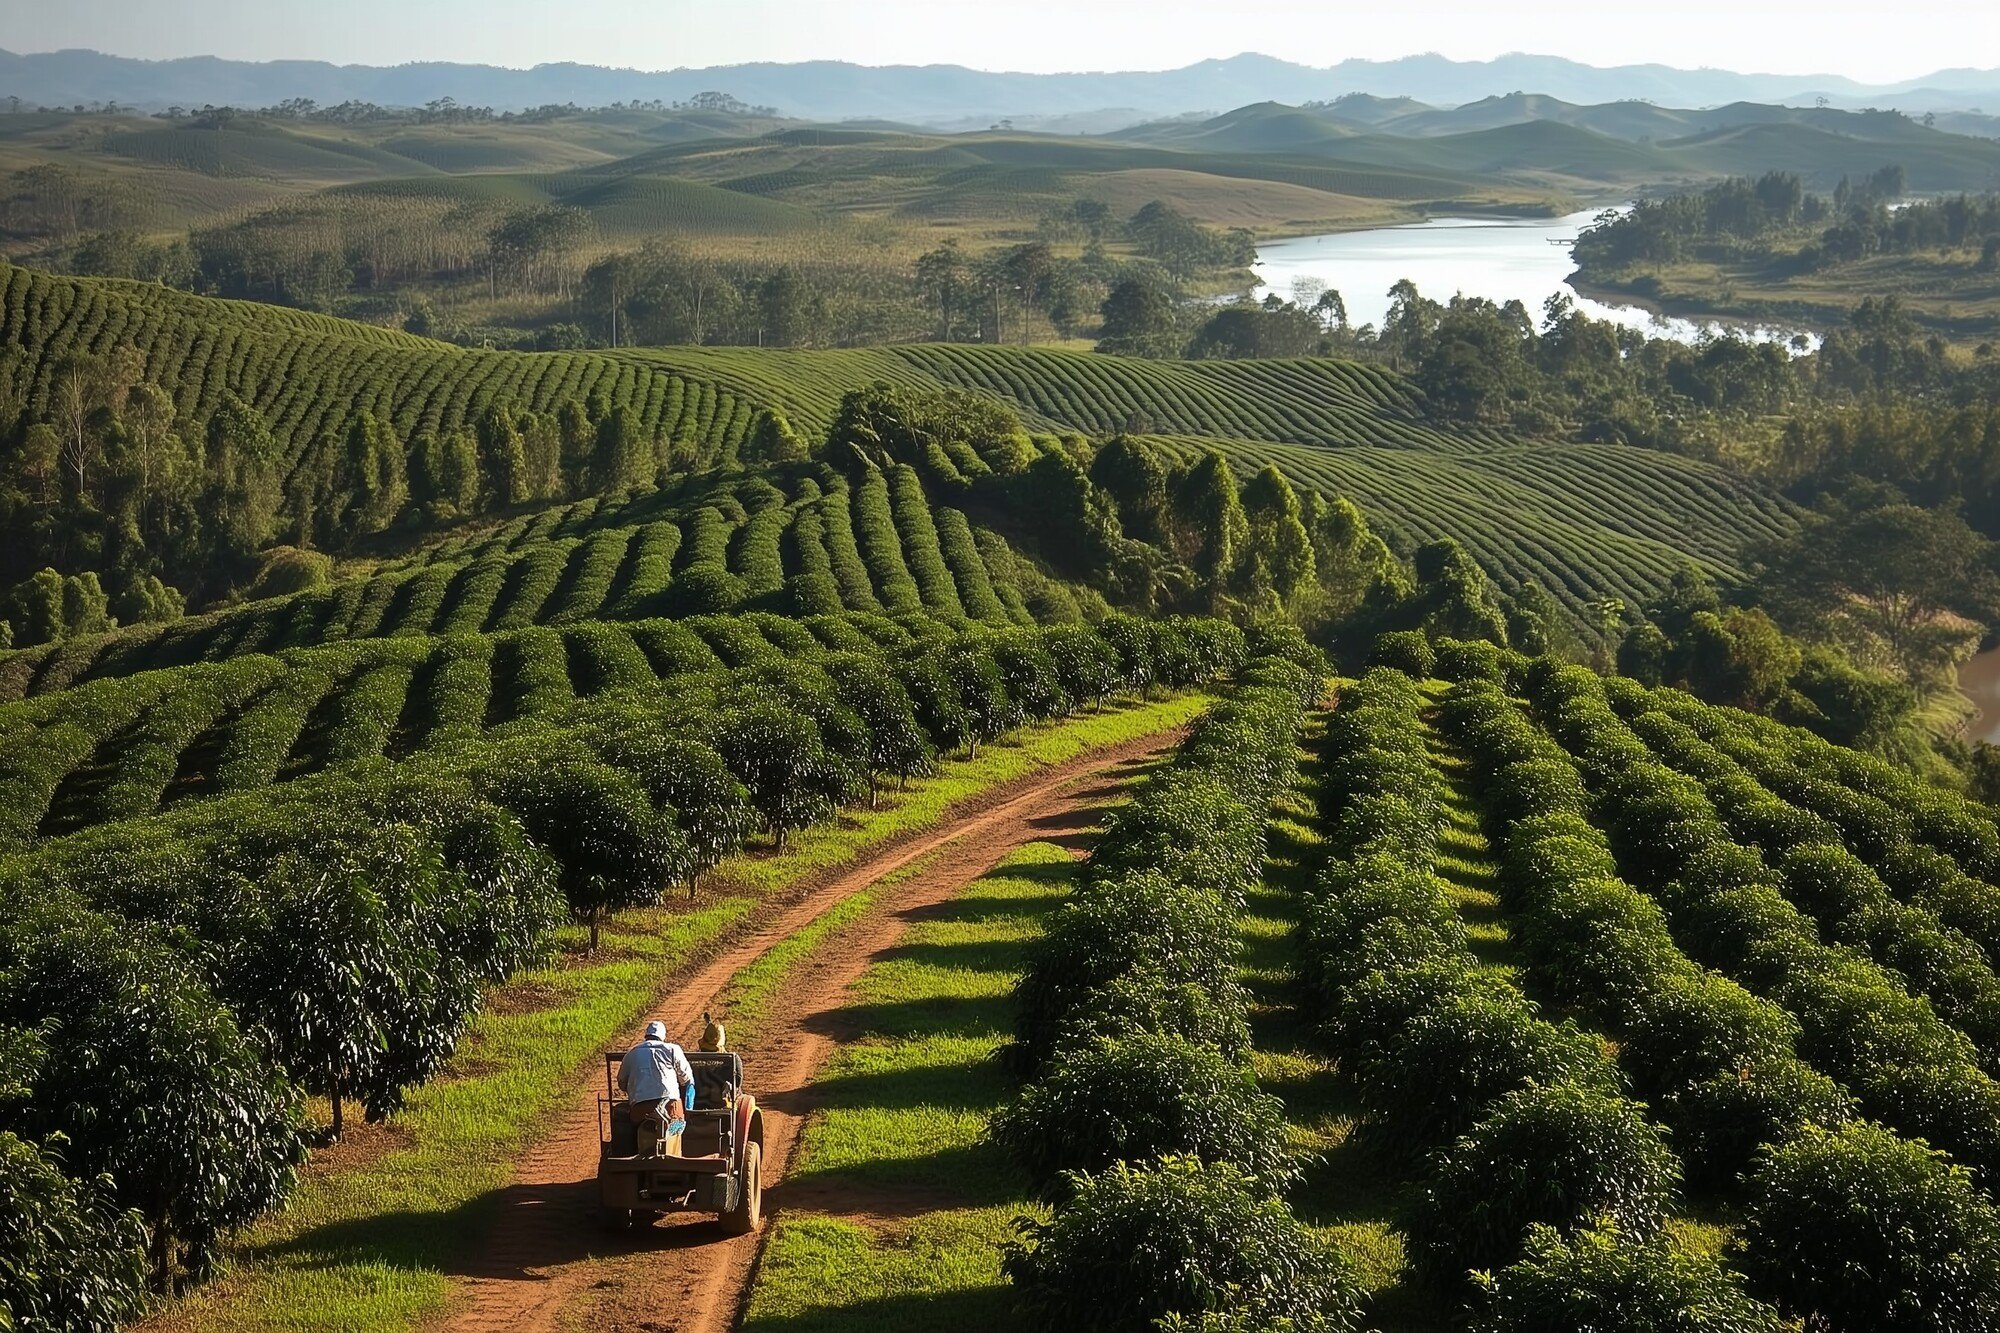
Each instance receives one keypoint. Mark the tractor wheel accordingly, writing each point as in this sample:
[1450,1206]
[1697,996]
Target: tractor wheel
[614,1219]
[749,1210]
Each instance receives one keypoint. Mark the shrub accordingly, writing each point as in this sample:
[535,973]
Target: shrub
[1028,674]
[285,570]
[1115,927]
[68,1258]
[1556,1154]
[214,1140]
[1146,1001]
[688,778]
[1138,1244]
[1856,1228]
[1722,1121]
[703,590]
[1536,787]
[1600,947]
[783,762]
[981,689]
[812,594]
[1602,1279]
[1282,641]
[1141,1099]
[615,850]
[1086,664]
[897,743]
[1453,1061]
[1374,913]
[1462,660]
[1404,650]
[1375,1009]
[1696,1023]
[1191,828]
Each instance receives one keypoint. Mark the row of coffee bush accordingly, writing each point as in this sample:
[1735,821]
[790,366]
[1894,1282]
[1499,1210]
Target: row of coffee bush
[1141,1121]
[1526,1151]
[1839,890]
[1932,848]
[1830,1229]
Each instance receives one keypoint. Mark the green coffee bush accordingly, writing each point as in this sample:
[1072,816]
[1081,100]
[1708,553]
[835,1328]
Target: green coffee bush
[1555,1154]
[1140,1099]
[1604,1279]
[1404,650]
[1855,1228]
[1208,1239]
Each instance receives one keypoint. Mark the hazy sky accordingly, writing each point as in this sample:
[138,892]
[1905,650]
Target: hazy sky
[1871,41]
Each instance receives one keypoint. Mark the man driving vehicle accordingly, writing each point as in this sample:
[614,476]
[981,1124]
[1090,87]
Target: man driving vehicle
[658,1079]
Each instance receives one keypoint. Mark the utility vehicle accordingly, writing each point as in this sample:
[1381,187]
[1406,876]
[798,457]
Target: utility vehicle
[716,1166]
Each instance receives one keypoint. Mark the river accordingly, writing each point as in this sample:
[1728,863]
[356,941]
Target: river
[1501,259]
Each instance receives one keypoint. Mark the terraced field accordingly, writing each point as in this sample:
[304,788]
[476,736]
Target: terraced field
[823,547]
[1587,521]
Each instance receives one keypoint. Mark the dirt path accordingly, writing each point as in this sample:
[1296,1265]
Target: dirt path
[547,1264]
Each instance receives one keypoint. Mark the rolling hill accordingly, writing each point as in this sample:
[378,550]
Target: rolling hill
[1531,137]
[1588,521]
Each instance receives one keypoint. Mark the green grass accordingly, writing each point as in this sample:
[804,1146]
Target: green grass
[924,1200]
[1465,860]
[372,1245]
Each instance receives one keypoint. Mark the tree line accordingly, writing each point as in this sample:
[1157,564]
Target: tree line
[1774,219]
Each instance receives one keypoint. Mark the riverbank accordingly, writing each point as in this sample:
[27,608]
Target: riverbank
[1957,305]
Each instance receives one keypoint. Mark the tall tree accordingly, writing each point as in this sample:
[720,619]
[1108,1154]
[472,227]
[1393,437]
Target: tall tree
[1898,581]
[1279,543]
[1214,531]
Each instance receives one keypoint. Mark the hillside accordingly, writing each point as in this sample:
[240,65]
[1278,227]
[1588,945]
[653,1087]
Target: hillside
[1588,521]
[1532,137]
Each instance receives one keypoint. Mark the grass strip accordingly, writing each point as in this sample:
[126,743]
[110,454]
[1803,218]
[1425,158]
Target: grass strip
[910,1203]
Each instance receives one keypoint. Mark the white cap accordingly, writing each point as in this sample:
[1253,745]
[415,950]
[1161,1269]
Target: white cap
[656,1031]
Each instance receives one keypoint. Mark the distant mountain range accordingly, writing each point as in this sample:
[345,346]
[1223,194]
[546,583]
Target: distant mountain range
[954,95]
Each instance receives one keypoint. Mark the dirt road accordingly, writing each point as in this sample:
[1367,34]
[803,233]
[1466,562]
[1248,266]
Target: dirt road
[548,1266]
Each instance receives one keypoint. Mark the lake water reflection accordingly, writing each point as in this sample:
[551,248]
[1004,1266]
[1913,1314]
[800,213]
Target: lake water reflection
[1500,259]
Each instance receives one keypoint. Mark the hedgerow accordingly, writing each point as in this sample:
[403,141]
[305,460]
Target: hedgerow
[1727,907]
[1441,1054]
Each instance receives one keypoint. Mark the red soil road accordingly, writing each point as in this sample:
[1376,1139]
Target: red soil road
[547,1265]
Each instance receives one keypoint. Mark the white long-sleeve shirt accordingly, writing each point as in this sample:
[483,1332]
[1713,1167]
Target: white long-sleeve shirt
[655,1070]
